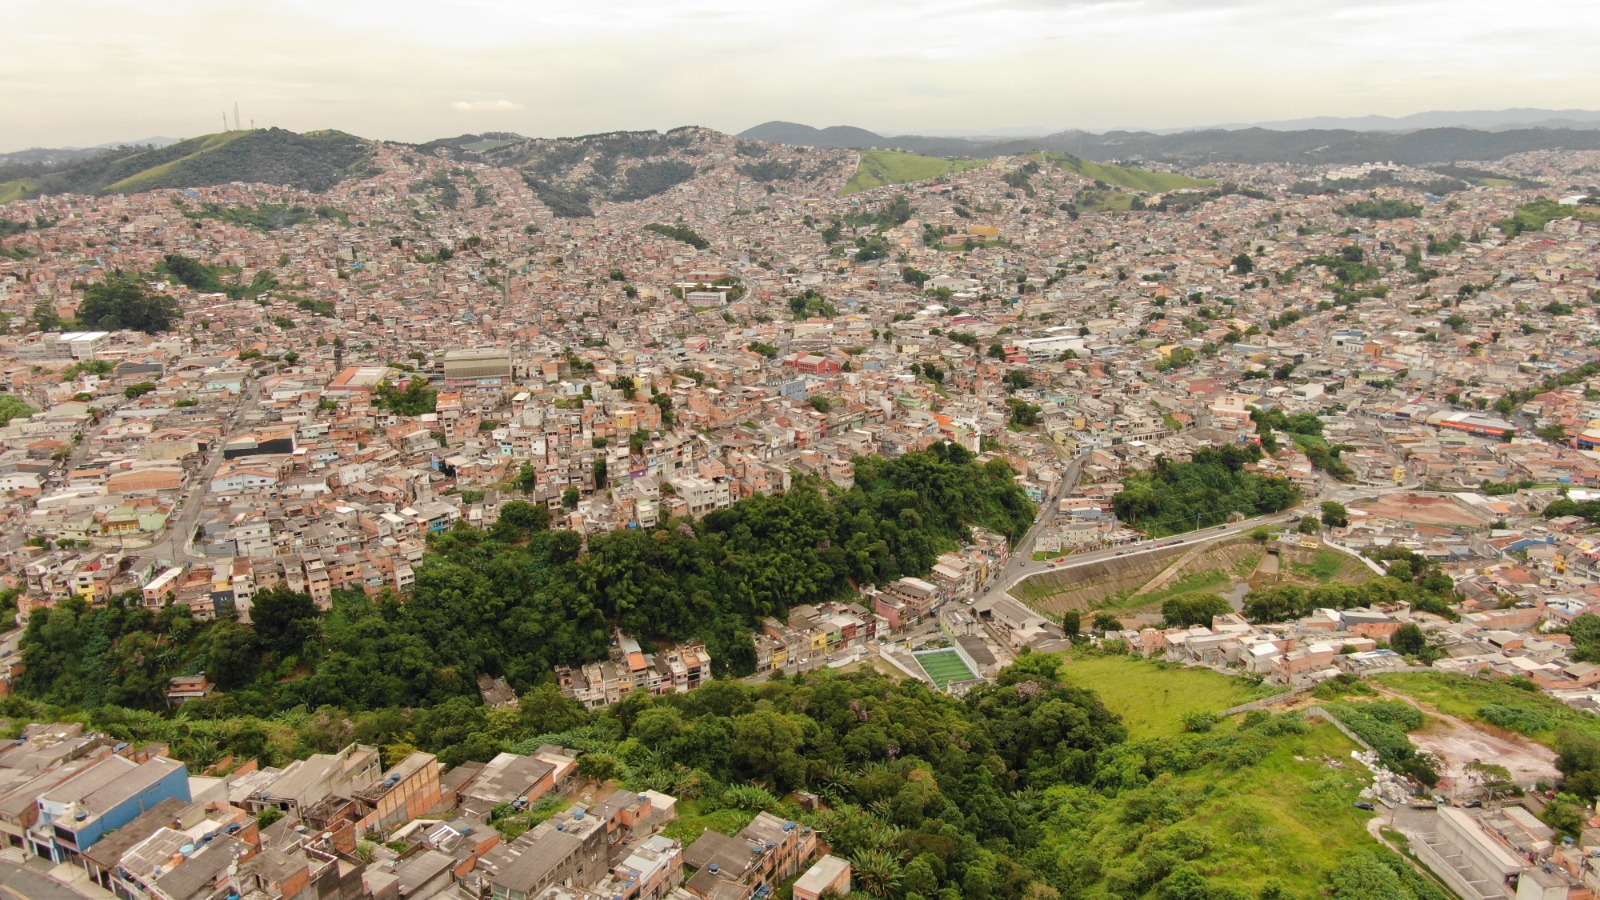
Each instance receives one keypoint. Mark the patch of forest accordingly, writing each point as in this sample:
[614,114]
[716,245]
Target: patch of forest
[1173,497]
[517,599]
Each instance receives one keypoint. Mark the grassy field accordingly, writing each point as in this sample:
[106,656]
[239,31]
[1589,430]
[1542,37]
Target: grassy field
[1134,179]
[1286,816]
[881,167]
[1464,697]
[1153,698]
[1207,580]
[1109,201]
[16,190]
[1292,805]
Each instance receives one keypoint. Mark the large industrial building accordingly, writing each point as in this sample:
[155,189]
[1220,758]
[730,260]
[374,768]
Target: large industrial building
[485,362]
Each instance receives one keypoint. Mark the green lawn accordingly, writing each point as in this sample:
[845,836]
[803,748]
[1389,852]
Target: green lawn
[1465,697]
[881,167]
[1153,698]
[1134,179]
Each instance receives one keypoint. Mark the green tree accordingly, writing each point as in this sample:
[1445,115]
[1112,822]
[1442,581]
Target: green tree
[284,620]
[1195,608]
[123,300]
[1334,515]
[1072,623]
[1409,640]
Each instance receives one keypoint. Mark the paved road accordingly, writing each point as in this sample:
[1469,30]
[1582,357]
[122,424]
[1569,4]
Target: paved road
[176,546]
[1021,562]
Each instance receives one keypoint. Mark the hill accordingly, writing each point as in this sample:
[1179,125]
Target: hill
[834,136]
[880,167]
[569,175]
[312,161]
[1121,176]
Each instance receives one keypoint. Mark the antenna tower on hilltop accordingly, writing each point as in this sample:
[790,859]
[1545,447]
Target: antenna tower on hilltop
[235,115]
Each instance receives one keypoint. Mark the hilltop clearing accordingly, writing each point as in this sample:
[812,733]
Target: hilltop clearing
[880,167]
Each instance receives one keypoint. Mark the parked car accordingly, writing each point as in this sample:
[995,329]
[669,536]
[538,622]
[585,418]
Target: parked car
[1364,805]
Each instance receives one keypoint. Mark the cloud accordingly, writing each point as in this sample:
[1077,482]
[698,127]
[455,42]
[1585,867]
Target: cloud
[478,106]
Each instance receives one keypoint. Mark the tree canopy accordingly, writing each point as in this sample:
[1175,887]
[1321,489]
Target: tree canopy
[1173,497]
[123,300]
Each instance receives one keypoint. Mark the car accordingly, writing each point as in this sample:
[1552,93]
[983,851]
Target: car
[1122,553]
[1472,804]
[1365,805]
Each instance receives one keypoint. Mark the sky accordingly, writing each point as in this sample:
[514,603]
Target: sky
[84,72]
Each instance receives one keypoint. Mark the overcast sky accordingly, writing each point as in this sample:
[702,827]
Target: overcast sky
[82,72]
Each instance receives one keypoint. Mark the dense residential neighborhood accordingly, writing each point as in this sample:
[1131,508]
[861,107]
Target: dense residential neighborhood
[1305,434]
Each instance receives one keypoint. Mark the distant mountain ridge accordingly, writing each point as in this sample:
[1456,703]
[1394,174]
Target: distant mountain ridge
[1479,120]
[1245,145]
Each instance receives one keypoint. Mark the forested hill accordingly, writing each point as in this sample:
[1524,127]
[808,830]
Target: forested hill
[519,598]
[314,161]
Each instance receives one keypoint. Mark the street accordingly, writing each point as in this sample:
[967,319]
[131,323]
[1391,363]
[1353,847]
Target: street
[1191,538]
[174,548]
[22,881]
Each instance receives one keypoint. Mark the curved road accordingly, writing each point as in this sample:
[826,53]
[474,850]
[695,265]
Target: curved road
[1031,568]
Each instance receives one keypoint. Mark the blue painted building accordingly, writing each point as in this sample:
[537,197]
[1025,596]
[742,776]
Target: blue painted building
[76,814]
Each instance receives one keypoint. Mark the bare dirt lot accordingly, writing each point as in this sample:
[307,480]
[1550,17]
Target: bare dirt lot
[1421,509]
[1458,742]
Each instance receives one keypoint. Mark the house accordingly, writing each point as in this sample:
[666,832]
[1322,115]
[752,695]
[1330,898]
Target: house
[408,791]
[307,782]
[568,849]
[101,798]
[508,778]
[765,853]
[183,688]
[829,874]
